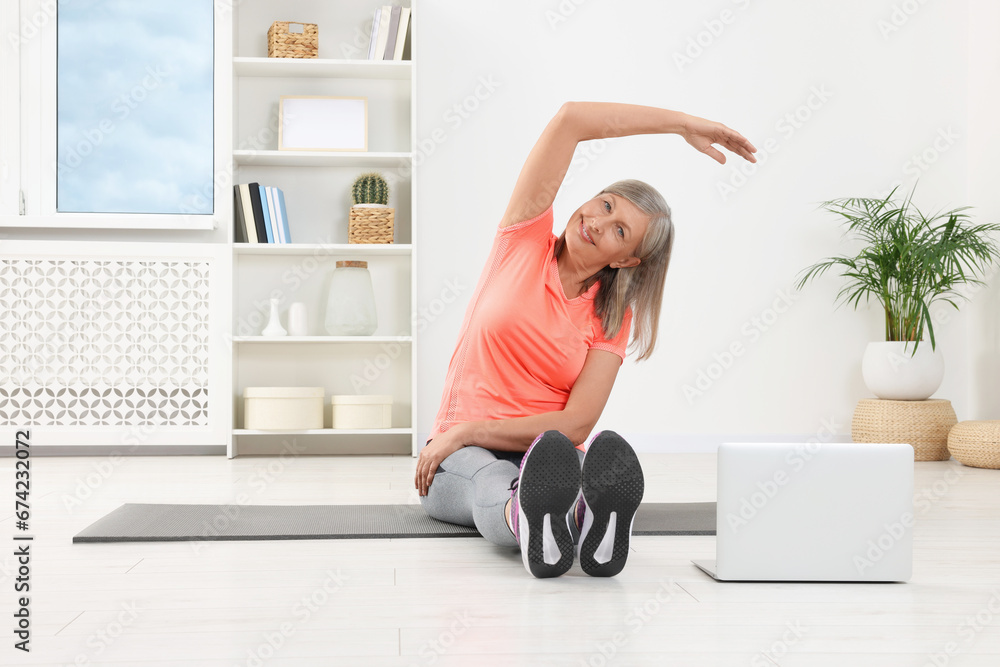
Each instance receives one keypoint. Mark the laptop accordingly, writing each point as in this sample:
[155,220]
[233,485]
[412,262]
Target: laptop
[840,511]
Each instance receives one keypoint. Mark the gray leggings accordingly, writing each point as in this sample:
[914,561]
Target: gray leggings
[471,488]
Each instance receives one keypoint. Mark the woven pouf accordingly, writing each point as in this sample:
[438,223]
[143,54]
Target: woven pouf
[976,443]
[922,424]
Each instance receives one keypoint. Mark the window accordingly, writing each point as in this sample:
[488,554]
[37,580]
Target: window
[115,114]
[134,106]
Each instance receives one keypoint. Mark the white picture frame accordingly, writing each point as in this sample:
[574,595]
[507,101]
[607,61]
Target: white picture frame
[322,123]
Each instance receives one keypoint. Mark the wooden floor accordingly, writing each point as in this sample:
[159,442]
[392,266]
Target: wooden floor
[462,601]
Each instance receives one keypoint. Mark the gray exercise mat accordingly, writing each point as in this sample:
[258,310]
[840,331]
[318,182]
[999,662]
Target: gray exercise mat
[144,522]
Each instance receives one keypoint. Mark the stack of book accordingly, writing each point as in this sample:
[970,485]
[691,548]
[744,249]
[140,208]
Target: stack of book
[389,33]
[260,214]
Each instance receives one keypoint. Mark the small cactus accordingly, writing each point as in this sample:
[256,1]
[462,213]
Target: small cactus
[370,188]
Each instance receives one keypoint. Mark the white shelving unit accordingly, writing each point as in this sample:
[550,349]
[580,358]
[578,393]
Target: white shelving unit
[401,249]
[317,194]
[323,67]
[266,158]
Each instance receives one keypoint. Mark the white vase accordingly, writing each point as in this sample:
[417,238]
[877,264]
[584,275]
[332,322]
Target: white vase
[297,323]
[274,327]
[892,371]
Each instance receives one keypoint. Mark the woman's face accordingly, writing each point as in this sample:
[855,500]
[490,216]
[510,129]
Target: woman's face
[606,231]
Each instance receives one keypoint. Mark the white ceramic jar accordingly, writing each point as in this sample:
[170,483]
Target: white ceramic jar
[350,305]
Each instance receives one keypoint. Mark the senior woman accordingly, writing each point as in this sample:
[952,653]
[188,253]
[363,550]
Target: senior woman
[540,347]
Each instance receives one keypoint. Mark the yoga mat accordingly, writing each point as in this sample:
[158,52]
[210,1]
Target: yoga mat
[144,522]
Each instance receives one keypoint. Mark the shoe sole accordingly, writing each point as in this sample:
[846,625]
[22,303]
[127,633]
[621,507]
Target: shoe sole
[548,487]
[613,485]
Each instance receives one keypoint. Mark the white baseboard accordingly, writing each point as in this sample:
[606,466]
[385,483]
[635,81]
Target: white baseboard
[708,443]
[665,443]
[650,443]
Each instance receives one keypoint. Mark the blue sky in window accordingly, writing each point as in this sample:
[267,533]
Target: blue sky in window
[135,98]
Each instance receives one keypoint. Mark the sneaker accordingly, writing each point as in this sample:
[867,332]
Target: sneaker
[612,484]
[542,496]
[577,514]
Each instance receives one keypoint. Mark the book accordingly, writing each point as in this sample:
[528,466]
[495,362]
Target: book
[272,202]
[401,33]
[283,215]
[258,212]
[249,226]
[266,196]
[374,35]
[265,217]
[383,29]
[239,223]
[390,36]
[265,201]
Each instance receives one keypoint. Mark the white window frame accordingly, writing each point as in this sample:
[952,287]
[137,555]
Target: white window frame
[28,127]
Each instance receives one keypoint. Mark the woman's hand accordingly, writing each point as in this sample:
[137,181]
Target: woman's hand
[702,133]
[441,447]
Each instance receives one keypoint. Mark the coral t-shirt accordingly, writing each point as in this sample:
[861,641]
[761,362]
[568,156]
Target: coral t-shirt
[523,343]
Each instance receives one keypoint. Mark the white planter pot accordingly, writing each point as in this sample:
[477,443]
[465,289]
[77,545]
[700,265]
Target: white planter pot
[893,372]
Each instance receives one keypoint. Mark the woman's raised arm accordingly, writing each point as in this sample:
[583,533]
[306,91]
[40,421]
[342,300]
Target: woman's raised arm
[544,170]
[549,160]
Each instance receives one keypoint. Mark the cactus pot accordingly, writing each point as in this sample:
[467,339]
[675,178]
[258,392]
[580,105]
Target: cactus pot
[370,223]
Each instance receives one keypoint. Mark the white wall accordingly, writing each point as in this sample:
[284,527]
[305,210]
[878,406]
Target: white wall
[888,80]
[984,174]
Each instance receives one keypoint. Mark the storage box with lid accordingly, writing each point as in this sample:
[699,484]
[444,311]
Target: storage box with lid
[278,408]
[358,411]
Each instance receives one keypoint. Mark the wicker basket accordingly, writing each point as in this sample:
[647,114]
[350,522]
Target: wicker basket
[370,223]
[284,44]
[922,424]
[976,443]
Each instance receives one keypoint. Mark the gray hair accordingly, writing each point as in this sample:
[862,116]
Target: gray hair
[640,286]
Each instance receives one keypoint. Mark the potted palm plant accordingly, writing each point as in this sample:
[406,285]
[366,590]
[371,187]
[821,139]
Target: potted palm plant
[910,260]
